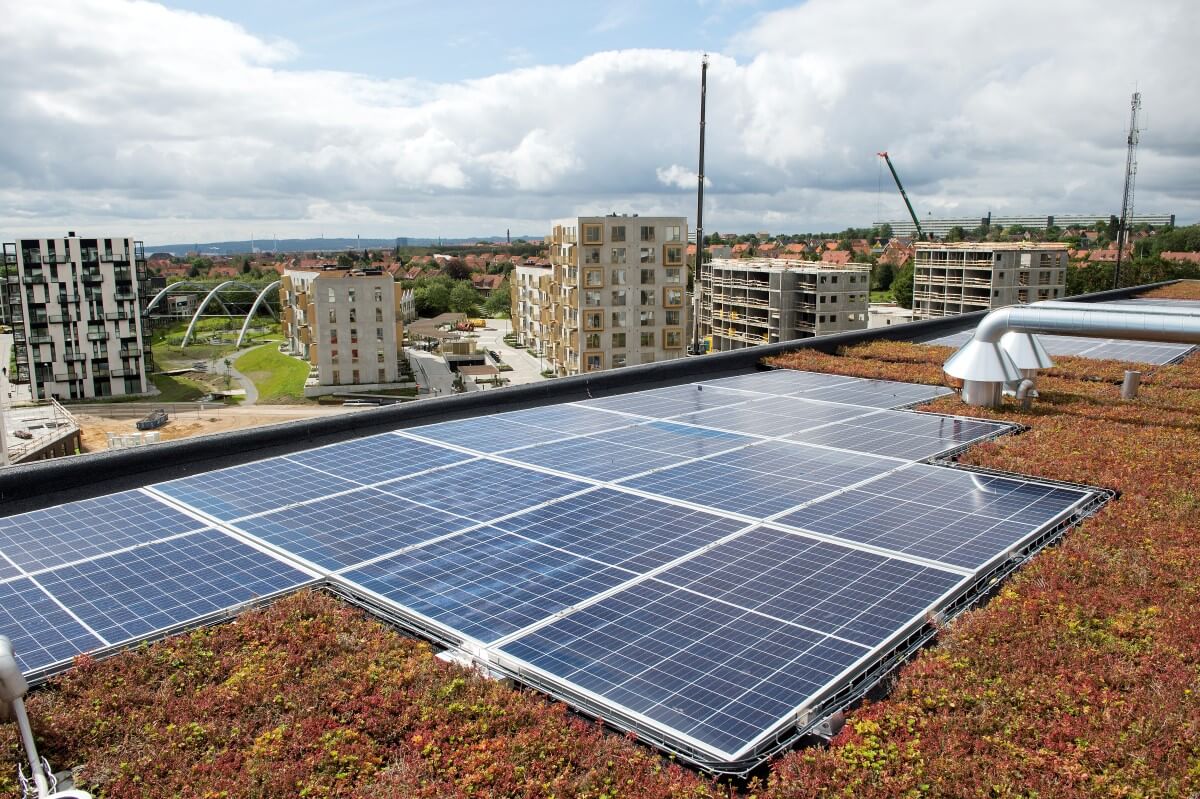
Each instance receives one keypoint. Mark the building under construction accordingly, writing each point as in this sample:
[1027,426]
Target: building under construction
[950,279]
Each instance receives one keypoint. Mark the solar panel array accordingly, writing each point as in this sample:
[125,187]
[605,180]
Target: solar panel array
[710,565]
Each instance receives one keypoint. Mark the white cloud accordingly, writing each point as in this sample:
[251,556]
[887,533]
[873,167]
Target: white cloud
[172,125]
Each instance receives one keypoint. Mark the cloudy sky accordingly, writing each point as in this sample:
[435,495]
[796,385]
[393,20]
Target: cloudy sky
[199,120]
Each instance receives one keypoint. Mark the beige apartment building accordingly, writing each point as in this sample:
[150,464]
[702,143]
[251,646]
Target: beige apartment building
[75,305]
[613,296]
[767,300]
[954,278]
[347,323]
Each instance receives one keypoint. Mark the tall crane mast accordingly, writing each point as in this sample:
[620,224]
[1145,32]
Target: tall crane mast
[1135,104]
[903,193]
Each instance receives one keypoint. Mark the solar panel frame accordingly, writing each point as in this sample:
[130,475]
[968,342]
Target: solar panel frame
[910,435]
[45,636]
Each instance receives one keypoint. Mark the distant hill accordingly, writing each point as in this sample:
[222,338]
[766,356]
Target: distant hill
[313,245]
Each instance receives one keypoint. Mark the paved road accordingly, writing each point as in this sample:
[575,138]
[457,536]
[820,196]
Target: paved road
[526,368]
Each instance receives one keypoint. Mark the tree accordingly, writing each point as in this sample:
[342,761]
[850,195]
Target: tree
[431,298]
[499,303]
[956,233]
[882,276]
[902,286]
[455,269]
[345,260]
[464,298]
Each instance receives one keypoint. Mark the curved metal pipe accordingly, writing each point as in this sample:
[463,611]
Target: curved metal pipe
[246,325]
[1141,307]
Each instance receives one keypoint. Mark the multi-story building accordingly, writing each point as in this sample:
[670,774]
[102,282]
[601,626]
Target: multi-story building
[530,299]
[767,300]
[942,227]
[75,305]
[346,323]
[614,294]
[950,279]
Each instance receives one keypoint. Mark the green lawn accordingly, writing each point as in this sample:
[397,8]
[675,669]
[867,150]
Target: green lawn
[279,378]
[177,389]
[882,296]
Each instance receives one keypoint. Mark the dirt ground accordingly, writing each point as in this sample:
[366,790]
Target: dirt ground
[187,424]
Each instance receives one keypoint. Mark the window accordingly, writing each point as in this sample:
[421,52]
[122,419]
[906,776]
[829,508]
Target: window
[379,335]
[672,317]
[354,354]
[618,234]
[618,360]
[833,317]
[337,378]
[647,341]
[647,297]
[591,299]
[379,294]
[592,341]
[671,233]
[617,256]
[594,362]
[673,296]
[378,356]
[593,277]
[378,314]
[593,233]
[332,295]
[647,255]
[356,378]
[673,274]
[648,277]
[591,255]
[673,254]
[619,319]
[353,314]
[593,320]
[647,318]
[383,375]
[333,316]
[350,295]
[618,277]
[618,342]
[647,232]
[620,297]
[833,279]
[354,335]
[333,355]
[672,339]
[333,335]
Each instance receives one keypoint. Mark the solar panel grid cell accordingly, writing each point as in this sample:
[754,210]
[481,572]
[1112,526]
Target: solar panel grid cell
[377,458]
[42,633]
[240,491]
[666,402]
[902,434]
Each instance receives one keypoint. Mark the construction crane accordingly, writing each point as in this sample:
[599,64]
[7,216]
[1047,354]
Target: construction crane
[904,194]
[1126,220]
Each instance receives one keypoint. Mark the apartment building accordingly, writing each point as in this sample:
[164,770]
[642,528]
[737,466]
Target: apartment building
[767,300]
[530,300]
[75,305]
[956,278]
[613,295]
[347,323]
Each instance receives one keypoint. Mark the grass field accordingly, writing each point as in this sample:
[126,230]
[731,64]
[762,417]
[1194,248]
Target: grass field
[177,389]
[279,378]
[882,296]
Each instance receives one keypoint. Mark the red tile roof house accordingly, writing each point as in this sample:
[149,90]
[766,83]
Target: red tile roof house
[861,246]
[741,249]
[224,271]
[796,249]
[769,248]
[1181,257]
[836,256]
[485,284]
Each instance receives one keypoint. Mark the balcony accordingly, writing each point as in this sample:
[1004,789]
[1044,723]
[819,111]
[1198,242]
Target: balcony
[74,357]
[60,318]
[115,315]
[34,277]
[70,375]
[97,335]
[124,372]
[91,277]
[123,273]
[124,295]
[13,280]
[130,352]
[41,339]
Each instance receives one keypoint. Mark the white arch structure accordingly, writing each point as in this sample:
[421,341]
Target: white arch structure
[204,304]
[174,287]
[258,300]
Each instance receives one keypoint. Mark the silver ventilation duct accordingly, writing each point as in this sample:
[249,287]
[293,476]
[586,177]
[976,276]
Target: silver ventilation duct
[1119,307]
[985,366]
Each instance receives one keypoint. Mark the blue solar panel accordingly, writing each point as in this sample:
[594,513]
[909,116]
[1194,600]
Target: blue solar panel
[621,530]
[661,403]
[162,585]
[484,490]
[956,517]
[42,633]
[238,491]
[598,460]
[350,528]
[903,434]
[1112,349]
[774,416]
[878,393]
[378,458]
[779,381]
[485,583]
[828,588]
[44,538]
[485,433]
[764,479]
[566,419]
[715,673]
[676,439]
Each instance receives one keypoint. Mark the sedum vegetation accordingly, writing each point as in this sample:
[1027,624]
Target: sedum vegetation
[1081,678]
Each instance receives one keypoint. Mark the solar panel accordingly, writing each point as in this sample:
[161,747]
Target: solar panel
[676,439]
[778,381]
[595,459]
[377,458]
[346,529]
[662,403]
[1109,349]
[774,416]
[484,433]
[568,419]
[484,490]
[957,517]
[239,491]
[42,633]
[878,393]
[765,479]
[903,434]
[43,538]
[158,586]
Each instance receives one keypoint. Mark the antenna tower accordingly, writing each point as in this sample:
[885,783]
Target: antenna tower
[1135,105]
[698,284]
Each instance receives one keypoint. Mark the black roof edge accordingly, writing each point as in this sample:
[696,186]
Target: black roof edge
[26,487]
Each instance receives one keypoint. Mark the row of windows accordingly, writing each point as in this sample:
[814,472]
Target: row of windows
[672,339]
[356,377]
[353,314]
[333,335]
[594,278]
[672,297]
[672,254]
[594,320]
[593,233]
[379,356]
[352,294]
